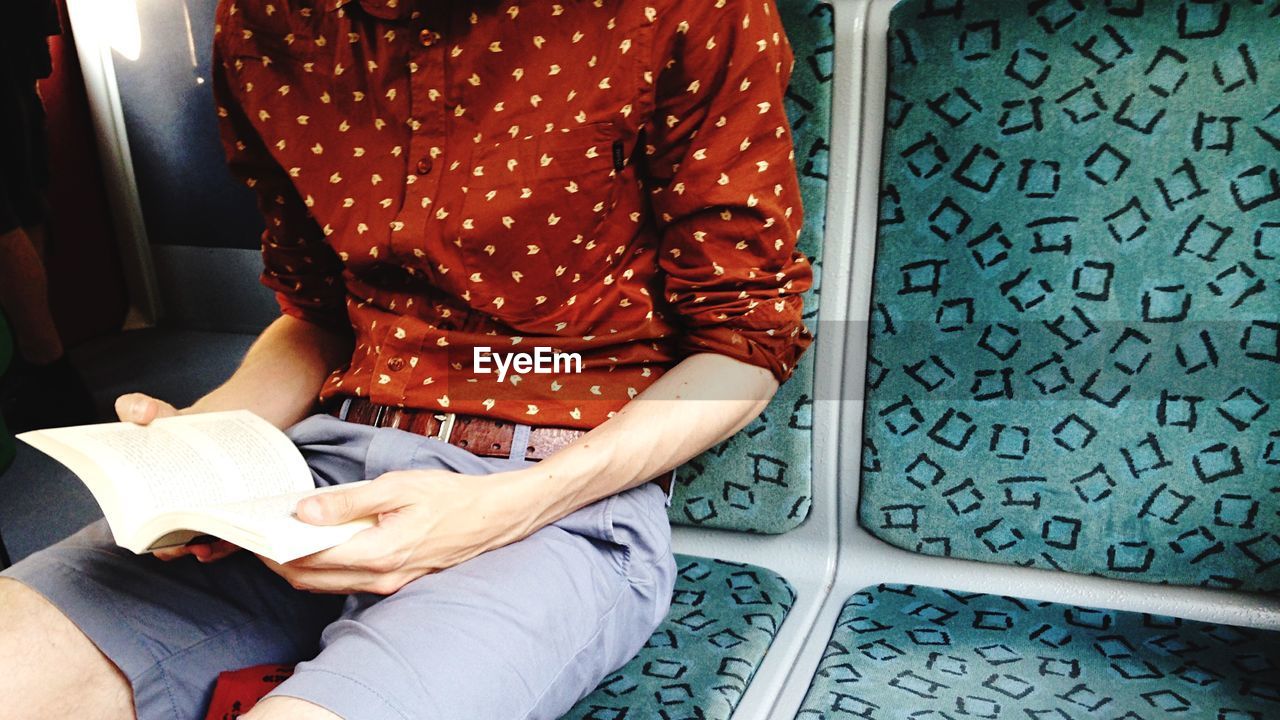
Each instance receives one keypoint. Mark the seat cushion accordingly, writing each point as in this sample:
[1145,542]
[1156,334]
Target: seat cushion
[760,479]
[928,654]
[1075,360]
[699,662]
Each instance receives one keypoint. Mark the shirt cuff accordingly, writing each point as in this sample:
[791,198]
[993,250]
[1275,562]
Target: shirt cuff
[331,318]
[777,352]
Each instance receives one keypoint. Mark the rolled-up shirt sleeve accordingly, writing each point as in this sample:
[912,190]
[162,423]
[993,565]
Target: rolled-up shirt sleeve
[724,189]
[301,269]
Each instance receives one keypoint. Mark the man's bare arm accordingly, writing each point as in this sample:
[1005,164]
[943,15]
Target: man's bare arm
[433,519]
[278,379]
[700,402]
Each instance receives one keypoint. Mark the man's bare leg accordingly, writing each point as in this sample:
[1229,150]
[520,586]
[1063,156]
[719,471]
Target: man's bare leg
[287,708]
[49,669]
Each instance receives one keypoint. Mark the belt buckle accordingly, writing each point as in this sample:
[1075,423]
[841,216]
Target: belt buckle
[446,426]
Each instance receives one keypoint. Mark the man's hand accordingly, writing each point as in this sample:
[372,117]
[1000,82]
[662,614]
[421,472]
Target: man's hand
[143,409]
[428,520]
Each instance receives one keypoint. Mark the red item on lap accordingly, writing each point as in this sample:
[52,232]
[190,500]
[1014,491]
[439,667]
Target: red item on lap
[238,691]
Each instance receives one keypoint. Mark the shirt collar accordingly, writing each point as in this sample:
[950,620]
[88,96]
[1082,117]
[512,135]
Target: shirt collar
[381,9]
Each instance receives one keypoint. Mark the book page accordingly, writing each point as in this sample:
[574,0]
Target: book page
[188,462]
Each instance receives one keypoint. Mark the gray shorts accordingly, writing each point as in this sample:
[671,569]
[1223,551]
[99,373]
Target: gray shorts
[520,632]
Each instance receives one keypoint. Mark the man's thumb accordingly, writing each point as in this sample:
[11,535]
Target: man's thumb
[142,409]
[339,506]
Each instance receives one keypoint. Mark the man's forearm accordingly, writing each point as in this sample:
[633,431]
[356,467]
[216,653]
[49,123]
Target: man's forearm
[436,519]
[700,402]
[282,373]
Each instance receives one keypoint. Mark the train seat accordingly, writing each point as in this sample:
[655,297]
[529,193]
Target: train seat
[1072,365]
[701,659]
[1074,317]
[931,654]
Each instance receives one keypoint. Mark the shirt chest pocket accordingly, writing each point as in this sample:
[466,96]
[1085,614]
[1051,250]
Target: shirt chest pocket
[530,216]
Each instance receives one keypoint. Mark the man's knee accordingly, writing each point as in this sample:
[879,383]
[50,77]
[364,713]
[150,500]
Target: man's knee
[48,668]
[287,708]
[33,630]
[20,607]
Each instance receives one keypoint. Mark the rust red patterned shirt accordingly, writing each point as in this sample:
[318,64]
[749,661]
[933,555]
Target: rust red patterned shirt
[612,178]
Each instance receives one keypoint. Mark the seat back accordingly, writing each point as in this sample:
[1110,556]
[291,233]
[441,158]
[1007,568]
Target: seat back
[1075,344]
[190,233]
[166,96]
[760,480]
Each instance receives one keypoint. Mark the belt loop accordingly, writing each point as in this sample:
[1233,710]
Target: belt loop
[520,442]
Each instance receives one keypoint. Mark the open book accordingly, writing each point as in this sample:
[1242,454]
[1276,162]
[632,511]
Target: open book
[231,475]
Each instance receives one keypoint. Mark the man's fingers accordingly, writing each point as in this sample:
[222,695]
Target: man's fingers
[340,582]
[142,409]
[346,504]
[174,553]
[213,551]
[204,552]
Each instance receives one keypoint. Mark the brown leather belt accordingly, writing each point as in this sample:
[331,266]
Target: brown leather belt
[487,437]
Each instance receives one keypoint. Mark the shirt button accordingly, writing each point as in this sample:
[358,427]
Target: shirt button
[424,165]
[395,364]
[428,37]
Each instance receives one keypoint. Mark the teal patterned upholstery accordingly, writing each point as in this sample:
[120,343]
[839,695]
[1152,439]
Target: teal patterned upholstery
[1075,352]
[760,480]
[902,652]
[698,663]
